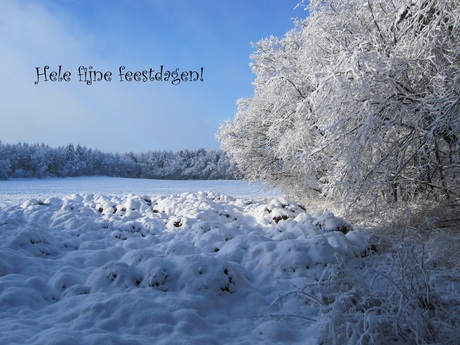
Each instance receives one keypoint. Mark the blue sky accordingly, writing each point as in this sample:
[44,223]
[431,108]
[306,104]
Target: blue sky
[129,116]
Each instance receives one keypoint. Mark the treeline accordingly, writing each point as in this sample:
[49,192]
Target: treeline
[39,161]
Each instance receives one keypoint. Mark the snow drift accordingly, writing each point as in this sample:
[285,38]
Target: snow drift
[190,268]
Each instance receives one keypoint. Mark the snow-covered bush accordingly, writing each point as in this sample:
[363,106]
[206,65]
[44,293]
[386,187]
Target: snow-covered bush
[397,295]
[359,103]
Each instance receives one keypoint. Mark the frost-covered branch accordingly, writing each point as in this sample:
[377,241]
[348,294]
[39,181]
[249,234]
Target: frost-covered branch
[370,110]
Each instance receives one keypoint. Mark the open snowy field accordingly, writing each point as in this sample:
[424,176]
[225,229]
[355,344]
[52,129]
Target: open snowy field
[14,191]
[118,261]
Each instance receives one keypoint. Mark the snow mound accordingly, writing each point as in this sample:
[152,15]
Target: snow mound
[190,268]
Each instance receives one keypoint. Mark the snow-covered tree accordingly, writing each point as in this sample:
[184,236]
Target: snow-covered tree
[38,161]
[5,166]
[359,102]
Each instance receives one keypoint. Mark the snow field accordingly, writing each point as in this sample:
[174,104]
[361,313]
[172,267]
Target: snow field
[189,268]
[15,191]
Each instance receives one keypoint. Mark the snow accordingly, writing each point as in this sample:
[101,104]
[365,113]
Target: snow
[14,191]
[193,267]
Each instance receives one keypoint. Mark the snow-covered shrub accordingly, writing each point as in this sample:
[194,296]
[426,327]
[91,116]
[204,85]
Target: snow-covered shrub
[390,298]
[358,104]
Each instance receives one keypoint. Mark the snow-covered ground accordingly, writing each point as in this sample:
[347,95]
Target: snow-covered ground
[190,262]
[14,191]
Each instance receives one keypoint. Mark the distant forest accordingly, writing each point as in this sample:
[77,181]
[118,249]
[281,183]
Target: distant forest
[40,161]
